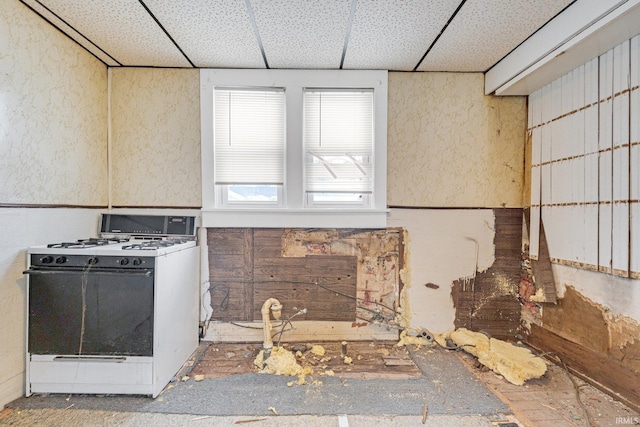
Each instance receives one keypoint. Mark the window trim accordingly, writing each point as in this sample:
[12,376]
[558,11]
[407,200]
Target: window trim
[295,214]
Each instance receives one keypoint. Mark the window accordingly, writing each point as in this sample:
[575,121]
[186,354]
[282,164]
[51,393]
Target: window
[338,144]
[293,148]
[248,146]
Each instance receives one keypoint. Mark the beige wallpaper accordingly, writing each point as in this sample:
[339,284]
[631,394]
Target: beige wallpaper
[449,145]
[53,115]
[156,137]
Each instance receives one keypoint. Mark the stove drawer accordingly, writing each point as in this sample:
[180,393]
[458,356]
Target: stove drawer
[70,374]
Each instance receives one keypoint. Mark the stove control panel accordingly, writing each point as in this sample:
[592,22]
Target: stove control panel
[90,261]
[148,225]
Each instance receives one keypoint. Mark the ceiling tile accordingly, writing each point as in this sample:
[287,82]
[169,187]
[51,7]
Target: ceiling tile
[79,38]
[113,25]
[213,34]
[393,35]
[484,31]
[302,33]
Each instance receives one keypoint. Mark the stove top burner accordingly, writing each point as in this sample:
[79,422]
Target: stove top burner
[153,244]
[87,243]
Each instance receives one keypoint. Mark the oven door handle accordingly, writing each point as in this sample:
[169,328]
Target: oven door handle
[113,272]
[118,359]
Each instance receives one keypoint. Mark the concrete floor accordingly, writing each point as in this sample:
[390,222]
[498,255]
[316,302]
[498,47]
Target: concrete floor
[549,401]
[64,418]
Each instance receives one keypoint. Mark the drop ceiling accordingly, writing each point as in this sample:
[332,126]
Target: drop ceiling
[396,35]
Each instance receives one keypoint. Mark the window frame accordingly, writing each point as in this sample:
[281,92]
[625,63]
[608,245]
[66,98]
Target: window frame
[295,212]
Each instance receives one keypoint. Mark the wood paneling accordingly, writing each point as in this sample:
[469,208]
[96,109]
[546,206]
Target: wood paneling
[295,283]
[230,270]
[488,302]
[323,271]
[585,163]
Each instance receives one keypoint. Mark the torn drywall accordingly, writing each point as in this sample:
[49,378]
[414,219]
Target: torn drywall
[593,326]
[442,246]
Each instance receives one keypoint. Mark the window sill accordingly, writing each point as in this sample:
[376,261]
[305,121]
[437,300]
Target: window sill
[295,218]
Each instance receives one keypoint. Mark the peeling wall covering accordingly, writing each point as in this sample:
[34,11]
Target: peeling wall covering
[303,268]
[378,259]
[53,115]
[441,249]
[593,326]
[449,145]
[621,296]
[156,137]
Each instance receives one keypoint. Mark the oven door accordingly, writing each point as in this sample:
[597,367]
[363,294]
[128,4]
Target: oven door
[91,312]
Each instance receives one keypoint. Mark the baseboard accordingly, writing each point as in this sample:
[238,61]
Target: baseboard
[11,389]
[303,331]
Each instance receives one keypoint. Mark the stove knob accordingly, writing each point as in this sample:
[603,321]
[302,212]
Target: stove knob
[47,260]
[61,260]
[137,261]
[123,261]
[92,261]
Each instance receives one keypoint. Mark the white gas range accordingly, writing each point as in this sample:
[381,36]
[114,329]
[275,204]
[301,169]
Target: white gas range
[117,314]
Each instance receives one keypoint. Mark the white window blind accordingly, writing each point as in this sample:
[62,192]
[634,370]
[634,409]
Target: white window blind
[338,141]
[249,136]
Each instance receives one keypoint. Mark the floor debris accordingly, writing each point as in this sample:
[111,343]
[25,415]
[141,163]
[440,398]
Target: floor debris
[253,420]
[515,364]
[318,350]
[407,339]
[280,362]
[367,360]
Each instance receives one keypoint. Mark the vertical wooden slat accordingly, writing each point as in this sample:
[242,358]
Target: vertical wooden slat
[559,170]
[575,134]
[545,154]
[535,112]
[591,163]
[551,214]
[605,172]
[634,168]
[620,158]
[248,273]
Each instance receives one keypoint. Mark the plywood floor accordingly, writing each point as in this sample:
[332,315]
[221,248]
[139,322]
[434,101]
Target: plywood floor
[381,359]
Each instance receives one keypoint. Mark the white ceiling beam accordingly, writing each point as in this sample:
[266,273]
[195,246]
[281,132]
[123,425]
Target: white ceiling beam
[583,31]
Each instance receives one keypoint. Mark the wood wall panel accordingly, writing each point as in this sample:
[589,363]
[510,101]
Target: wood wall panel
[293,283]
[323,271]
[230,271]
[587,132]
[634,138]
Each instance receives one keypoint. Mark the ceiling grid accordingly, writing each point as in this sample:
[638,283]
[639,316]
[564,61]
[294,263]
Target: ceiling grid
[395,35]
